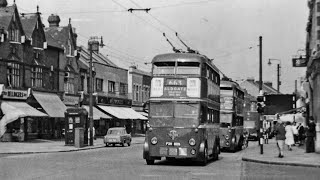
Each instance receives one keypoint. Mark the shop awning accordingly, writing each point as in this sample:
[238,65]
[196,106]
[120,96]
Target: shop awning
[21,108]
[143,113]
[122,112]
[14,110]
[97,114]
[51,103]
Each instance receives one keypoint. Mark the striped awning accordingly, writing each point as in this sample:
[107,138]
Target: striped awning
[97,114]
[122,112]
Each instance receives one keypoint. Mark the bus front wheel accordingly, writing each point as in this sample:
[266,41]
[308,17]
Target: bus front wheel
[150,162]
[205,158]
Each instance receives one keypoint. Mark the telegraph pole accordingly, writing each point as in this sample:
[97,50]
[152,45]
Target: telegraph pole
[260,91]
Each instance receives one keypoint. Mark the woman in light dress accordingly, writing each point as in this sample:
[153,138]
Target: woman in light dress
[289,136]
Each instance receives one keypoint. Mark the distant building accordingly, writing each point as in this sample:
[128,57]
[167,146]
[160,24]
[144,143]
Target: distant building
[110,89]
[252,87]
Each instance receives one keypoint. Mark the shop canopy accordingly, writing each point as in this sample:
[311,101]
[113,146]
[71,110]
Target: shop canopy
[51,104]
[122,112]
[97,114]
[13,110]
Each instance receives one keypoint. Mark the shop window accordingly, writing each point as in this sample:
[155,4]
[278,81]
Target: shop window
[13,75]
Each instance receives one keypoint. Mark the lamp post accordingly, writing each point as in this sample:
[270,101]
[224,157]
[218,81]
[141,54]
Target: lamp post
[278,72]
[260,93]
[93,47]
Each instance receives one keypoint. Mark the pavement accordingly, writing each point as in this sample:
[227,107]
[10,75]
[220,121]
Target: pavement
[296,157]
[51,146]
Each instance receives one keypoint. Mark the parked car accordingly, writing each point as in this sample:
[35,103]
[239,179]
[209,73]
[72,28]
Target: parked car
[117,135]
[253,136]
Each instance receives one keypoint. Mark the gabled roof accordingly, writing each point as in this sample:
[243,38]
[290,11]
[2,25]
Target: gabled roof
[29,22]
[6,16]
[96,58]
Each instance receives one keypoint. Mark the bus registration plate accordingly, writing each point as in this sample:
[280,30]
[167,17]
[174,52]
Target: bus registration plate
[173,151]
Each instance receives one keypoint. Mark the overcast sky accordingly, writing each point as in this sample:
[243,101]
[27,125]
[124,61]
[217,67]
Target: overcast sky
[221,29]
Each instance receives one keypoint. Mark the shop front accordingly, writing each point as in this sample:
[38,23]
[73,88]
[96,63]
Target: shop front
[122,114]
[101,121]
[51,127]
[18,120]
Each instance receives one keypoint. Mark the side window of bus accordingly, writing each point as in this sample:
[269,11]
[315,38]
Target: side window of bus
[203,114]
[204,70]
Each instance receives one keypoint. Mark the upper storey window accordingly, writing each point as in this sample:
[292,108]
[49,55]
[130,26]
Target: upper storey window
[14,33]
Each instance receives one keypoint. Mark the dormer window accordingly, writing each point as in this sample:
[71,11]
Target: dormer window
[14,34]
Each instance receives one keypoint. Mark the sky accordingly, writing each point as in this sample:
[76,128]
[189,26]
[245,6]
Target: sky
[225,30]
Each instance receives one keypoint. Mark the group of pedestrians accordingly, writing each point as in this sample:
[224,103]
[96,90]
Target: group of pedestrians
[291,134]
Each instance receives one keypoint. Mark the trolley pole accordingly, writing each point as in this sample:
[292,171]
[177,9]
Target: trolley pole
[260,90]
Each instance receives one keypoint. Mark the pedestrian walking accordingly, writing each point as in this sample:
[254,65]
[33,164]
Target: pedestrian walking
[301,135]
[311,131]
[289,135]
[280,136]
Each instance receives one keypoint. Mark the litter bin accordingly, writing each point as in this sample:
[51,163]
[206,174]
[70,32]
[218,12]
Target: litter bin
[79,137]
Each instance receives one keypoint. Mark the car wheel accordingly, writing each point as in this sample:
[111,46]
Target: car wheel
[150,162]
[122,144]
[129,143]
[107,144]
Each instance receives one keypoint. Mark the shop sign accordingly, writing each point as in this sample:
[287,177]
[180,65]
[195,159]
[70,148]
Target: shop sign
[299,62]
[114,101]
[16,94]
[71,100]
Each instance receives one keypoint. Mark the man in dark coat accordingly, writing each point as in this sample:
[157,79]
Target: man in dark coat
[301,135]
[280,136]
[311,132]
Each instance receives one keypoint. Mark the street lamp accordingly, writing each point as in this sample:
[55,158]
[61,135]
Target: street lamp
[278,72]
[93,47]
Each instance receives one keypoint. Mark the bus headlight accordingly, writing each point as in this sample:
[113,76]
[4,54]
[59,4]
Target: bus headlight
[192,142]
[226,136]
[154,140]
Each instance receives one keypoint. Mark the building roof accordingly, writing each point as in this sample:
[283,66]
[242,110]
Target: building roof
[57,36]
[6,16]
[29,21]
[252,87]
[96,58]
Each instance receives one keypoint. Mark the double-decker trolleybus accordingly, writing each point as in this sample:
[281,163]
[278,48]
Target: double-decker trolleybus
[183,109]
[231,115]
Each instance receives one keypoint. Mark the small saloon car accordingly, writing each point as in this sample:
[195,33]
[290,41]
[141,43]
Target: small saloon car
[117,135]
